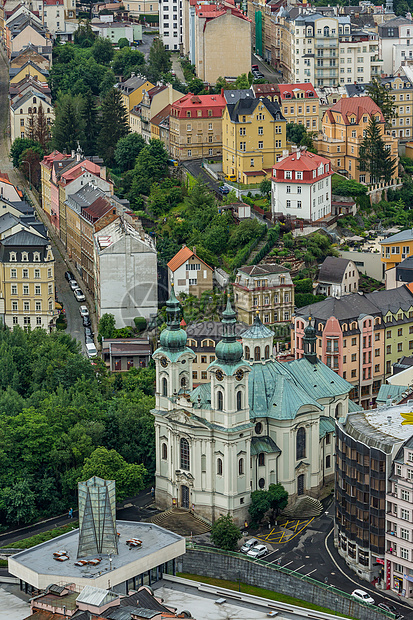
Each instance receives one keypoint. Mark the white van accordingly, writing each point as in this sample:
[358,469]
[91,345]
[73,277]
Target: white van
[91,350]
[248,545]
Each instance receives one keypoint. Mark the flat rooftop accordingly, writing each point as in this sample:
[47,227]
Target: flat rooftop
[38,567]
[381,428]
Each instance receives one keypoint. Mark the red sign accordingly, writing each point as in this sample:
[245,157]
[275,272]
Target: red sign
[388,575]
[380,561]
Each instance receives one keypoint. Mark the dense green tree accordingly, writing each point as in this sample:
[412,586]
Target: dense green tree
[382,97]
[196,86]
[151,166]
[29,163]
[110,465]
[159,60]
[374,157]
[278,498]
[19,145]
[123,42]
[127,60]
[260,504]
[246,231]
[225,534]
[68,127]
[127,150]
[106,327]
[242,81]
[265,187]
[90,122]
[102,51]
[298,135]
[107,83]
[18,502]
[84,35]
[114,125]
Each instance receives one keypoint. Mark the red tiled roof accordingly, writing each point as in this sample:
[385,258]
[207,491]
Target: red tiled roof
[254,173]
[161,116]
[216,103]
[357,106]
[301,161]
[181,257]
[97,209]
[292,88]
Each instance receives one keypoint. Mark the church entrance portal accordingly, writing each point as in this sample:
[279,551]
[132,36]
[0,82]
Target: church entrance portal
[184,496]
[300,484]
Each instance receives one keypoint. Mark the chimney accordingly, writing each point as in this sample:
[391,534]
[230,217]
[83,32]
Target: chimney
[194,250]
[73,153]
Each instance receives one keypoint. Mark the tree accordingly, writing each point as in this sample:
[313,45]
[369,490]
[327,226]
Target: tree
[33,156]
[84,35]
[107,83]
[91,124]
[18,502]
[30,129]
[102,51]
[127,150]
[19,145]
[374,156]
[41,128]
[68,125]
[298,135]
[260,504]
[106,328]
[123,42]
[225,534]
[127,60]
[265,187]
[382,97]
[242,81]
[114,125]
[110,465]
[278,498]
[159,60]
[151,165]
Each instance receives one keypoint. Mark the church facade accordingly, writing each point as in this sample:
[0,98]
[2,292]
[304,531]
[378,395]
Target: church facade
[256,422]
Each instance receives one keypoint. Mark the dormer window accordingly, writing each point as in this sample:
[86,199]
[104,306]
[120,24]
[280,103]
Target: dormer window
[287,174]
[36,257]
[25,257]
[13,257]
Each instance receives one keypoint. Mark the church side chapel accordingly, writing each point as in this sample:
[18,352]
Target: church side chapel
[257,421]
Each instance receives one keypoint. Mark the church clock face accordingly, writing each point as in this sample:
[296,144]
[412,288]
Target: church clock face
[164,362]
[219,375]
[239,375]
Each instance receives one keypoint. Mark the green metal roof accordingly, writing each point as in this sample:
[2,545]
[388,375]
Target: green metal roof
[263,444]
[327,425]
[173,356]
[353,407]
[258,330]
[389,392]
[227,369]
[203,390]
[316,378]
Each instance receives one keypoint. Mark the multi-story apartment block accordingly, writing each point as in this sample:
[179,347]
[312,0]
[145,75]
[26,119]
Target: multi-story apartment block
[143,8]
[399,531]
[395,40]
[301,186]
[342,134]
[253,136]
[132,90]
[299,104]
[189,274]
[27,289]
[153,102]
[394,250]
[195,126]
[325,51]
[366,444]
[218,39]
[170,23]
[266,290]
[360,336]
[24,113]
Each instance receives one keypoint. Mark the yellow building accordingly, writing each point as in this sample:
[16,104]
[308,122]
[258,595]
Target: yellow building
[402,92]
[343,128]
[17,74]
[253,136]
[394,250]
[300,104]
[132,90]
[27,290]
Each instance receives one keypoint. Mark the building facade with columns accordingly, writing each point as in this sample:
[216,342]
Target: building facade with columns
[256,422]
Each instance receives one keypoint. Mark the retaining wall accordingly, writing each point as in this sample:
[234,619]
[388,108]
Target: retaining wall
[235,568]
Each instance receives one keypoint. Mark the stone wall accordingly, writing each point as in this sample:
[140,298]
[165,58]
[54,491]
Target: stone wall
[227,566]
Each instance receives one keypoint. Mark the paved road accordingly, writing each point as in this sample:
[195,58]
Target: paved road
[312,553]
[269,73]
[195,168]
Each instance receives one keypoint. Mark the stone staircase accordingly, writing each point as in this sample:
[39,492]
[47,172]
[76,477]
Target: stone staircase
[259,246]
[305,507]
[181,522]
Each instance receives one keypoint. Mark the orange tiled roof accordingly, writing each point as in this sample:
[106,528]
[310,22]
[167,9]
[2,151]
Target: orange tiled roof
[181,257]
[355,105]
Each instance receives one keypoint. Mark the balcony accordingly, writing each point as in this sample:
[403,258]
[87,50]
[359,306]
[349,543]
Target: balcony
[325,44]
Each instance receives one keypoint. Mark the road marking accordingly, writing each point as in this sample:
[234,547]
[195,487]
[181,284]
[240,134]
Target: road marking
[312,571]
[295,570]
[284,565]
[276,560]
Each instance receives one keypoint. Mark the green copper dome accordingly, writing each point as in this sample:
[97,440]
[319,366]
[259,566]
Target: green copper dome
[229,350]
[173,338]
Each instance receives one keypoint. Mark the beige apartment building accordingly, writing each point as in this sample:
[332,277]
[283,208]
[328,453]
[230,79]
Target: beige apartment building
[24,113]
[266,290]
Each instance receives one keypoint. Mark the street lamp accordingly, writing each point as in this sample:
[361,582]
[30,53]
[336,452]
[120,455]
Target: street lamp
[24,161]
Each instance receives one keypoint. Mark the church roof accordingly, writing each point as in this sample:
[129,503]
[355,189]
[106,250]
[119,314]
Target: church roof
[203,390]
[258,330]
[327,425]
[263,444]
[316,378]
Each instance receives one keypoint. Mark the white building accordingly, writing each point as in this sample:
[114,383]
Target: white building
[325,51]
[255,423]
[301,186]
[126,278]
[337,277]
[396,43]
[170,23]
[24,110]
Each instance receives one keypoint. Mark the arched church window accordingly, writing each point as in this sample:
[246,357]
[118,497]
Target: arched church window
[183,382]
[241,467]
[267,352]
[338,410]
[164,387]
[247,353]
[261,459]
[257,354]
[185,454]
[219,467]
[164,451]
[300,444]
[239,400]
[258,428]
[261,483]
[220,401]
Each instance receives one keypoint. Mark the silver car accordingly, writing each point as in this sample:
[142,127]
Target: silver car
[257,552]
[249,544]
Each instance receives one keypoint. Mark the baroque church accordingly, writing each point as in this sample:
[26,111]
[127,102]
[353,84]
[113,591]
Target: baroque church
[257,422]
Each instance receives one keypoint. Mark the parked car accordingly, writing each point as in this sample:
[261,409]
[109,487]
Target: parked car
[361,595]
[254,68]
[257,552]
[91,350]
[230,177]
[88,332]
[78,293]
[73,284]
[69,276]
[86,321]
[391,609]
[84,311]
[259,75]
[249,544]
[223,190]
[89,340]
